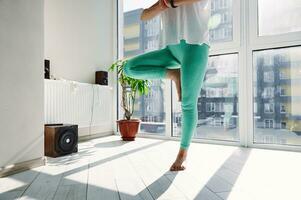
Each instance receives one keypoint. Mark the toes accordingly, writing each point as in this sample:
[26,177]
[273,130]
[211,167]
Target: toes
[172,168]
[181,168]
[175,167]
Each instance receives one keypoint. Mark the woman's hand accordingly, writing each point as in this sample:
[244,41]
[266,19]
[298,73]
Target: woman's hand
[154,10]
[163,5]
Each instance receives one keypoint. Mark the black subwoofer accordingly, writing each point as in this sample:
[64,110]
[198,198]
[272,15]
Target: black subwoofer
[101,77]
[60,139]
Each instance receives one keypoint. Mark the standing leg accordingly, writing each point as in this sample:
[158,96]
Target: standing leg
[150,65]
[193,73]
[193,70]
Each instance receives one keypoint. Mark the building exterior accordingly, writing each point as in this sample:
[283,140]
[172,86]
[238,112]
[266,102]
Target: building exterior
[277,97]
[222,12]
[218,102]
[141,37]
[133,33]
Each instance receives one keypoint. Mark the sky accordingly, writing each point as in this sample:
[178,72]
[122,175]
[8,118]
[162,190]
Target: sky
[134,4]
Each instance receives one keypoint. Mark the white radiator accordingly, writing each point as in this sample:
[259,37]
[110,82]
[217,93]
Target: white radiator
[88,105]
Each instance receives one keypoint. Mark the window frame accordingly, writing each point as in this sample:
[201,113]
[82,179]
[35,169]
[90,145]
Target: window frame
[271,40]
[259,43]
[245,42]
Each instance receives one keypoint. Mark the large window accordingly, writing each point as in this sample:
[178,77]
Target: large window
[143,36]
[221,21]
[278,116]
[140,37]
[251,91]
[278,17]
[217,103]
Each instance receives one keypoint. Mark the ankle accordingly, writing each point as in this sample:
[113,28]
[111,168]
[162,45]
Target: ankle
[182,153]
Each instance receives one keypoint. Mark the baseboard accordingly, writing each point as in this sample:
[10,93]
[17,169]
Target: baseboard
[22,166]
[94,130]
[98,135]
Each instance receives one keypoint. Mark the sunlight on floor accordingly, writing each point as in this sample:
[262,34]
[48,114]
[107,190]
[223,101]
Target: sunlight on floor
[116,169]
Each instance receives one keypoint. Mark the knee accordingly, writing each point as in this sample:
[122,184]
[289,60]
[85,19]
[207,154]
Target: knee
[189,100]
[189,105]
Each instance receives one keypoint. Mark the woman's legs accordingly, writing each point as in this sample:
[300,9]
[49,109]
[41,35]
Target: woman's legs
[150,65]
[193,70]
[194,62]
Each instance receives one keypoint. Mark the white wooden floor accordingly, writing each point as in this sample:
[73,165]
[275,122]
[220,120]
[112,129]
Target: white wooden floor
[108,168]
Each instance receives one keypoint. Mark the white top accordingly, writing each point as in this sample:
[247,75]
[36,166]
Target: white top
[189,22]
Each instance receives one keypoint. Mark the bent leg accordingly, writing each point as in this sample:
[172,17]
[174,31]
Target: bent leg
[150,65]
[193,72]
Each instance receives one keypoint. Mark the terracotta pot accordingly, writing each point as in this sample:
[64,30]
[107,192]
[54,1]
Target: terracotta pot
[128,128]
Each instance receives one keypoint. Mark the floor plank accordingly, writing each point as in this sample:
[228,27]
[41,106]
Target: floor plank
[108,168]
[159,185]
[14,186]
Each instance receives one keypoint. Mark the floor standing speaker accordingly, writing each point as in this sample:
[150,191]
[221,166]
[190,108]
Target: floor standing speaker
[60,139]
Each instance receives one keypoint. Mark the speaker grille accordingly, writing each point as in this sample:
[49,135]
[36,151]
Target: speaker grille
[66,140]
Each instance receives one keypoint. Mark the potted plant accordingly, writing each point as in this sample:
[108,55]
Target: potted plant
[129,126]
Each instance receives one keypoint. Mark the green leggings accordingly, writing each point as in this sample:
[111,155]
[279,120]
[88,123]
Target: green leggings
[192,60]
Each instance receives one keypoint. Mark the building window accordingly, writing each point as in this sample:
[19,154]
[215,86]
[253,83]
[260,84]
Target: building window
[282,108]
[219,107]
[222,15]
[283,91]
[268,92]
[283,75]
[268,76]
[268,107]
[210,107]
[268,123]
[283,125]
[285,63]
[289,21]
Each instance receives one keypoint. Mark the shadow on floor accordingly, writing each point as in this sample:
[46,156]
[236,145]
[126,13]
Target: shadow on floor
[48,184]
[226,176]
[57,186]
[110,144]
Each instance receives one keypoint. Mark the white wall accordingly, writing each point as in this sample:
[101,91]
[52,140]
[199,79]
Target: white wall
[79,38]
[21,81]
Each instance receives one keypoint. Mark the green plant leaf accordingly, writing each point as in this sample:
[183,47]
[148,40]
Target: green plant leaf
[142,86]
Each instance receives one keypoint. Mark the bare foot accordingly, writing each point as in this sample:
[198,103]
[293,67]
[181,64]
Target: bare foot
[175,75]
[178,163]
